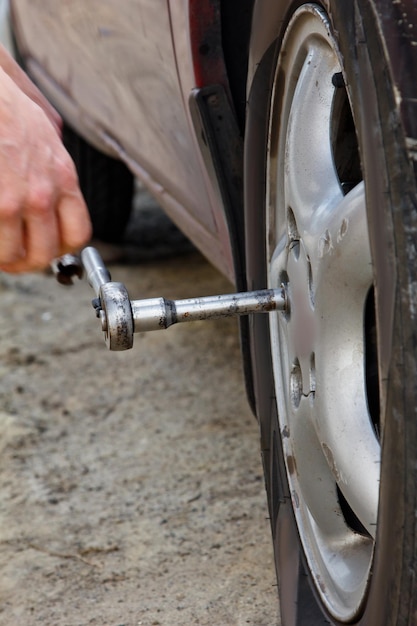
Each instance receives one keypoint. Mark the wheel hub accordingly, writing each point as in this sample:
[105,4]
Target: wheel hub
[301,322]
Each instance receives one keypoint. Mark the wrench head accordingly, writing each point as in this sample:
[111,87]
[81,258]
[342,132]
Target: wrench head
[116,316]
[66,268]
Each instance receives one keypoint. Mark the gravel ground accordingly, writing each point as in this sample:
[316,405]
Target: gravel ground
[132,489]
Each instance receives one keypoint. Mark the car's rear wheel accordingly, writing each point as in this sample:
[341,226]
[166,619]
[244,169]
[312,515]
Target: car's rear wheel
[107,185]
[335,375]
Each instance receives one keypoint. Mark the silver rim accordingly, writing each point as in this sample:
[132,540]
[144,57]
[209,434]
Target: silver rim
[318,246]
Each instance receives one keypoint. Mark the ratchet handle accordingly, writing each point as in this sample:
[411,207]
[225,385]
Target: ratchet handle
[121,317]
[97,273]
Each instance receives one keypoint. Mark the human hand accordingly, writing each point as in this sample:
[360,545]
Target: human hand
[42,212]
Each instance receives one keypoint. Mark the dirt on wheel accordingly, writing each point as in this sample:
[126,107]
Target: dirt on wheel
[131,483]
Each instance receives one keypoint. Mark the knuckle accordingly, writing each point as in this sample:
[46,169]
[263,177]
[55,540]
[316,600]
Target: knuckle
[67,174]
[10,208]
[40,198]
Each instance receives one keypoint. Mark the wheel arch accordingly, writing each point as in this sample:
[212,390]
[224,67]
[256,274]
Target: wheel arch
[236,20]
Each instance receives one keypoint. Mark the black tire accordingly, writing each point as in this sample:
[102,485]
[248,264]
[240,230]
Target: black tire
[383,131]
[107,185]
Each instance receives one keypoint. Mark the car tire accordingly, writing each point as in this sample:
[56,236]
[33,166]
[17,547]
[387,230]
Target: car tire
[330,210]
[107,185]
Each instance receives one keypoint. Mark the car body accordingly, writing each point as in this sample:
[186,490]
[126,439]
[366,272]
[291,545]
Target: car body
[141,66]
[281,137]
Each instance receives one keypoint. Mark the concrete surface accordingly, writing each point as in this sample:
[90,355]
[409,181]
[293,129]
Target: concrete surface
[131,483]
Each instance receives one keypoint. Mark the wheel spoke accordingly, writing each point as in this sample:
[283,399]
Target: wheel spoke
[337,241]
[347,435]
[311,180]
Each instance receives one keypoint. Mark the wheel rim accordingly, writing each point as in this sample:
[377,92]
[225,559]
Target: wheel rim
[318,247]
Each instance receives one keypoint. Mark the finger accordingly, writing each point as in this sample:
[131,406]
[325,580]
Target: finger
[41,244]
[11,234]
[41,232]
[74,222]
[51,235]
[42,240]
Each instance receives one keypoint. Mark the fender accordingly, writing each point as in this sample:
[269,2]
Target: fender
[202,73]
